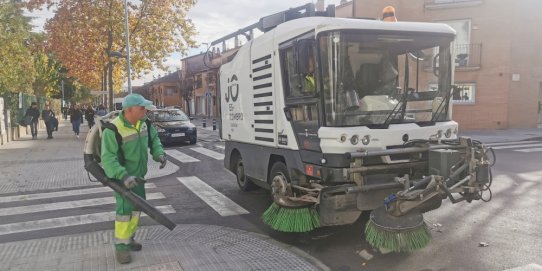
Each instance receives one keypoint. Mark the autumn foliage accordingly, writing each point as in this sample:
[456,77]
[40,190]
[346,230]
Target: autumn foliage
[82,33]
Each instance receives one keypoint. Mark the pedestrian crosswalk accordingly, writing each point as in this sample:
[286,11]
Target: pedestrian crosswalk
[48,210]
[518,146]
[185,155]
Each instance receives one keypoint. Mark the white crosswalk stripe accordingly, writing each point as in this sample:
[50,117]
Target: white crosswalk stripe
[181,157]
[67,205]
[220,203]
[49,195]
[210,153]
[511,143]
[61,222]
[515,146]
[530,150]
[220,146]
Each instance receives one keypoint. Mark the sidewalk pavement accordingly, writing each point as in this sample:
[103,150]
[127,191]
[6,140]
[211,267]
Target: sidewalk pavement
[509,135]
[31,165]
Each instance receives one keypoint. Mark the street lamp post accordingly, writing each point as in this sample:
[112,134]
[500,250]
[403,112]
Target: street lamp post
[127,34]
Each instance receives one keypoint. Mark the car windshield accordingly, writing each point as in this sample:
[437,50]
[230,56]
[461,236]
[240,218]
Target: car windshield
[380,78]
[168,115]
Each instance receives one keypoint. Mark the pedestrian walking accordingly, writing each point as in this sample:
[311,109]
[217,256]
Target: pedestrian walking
[76,115]
[65,111]
[33,115]
[83,109]
[89,115]
[127,163]
[48,117]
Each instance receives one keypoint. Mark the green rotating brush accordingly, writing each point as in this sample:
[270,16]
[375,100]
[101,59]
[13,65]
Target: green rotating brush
[291,219]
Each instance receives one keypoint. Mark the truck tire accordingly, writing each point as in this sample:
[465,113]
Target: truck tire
[245,184]
[279,170]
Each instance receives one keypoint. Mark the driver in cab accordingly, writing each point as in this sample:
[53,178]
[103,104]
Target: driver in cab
[309,85]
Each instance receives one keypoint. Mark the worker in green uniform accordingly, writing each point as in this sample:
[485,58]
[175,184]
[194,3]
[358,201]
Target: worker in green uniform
[309,84]
[127,163]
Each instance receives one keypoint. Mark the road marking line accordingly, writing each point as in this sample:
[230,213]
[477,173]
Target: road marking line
[210,153]
[220,203]
[532,176]
[59,194]
[181,157]
[511,143]
[220,147]
[517,146]
[529,150]
[67,221]
[67,205]
[531,267]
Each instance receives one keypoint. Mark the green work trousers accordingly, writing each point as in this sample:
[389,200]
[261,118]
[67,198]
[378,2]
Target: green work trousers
[127,218]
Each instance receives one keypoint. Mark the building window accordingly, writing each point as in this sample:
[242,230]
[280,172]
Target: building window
[170,91]
[462,46]
[464,93]
[198,81]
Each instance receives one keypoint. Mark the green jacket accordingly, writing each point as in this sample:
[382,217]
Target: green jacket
[134,147]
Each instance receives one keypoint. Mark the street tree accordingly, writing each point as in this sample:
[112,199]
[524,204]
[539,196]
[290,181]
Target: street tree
[84,34]
[49,71]
[16,62]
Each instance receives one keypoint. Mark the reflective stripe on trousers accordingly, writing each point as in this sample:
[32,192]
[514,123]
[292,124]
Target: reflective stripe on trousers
[125,227]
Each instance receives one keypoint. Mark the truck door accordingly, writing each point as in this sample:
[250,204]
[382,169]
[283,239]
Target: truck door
[300,81]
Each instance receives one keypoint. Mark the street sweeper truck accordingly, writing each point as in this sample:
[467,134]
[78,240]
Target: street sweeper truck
[338,116]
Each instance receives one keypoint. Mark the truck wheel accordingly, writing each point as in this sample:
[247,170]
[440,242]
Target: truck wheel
[279,180]
[242,180]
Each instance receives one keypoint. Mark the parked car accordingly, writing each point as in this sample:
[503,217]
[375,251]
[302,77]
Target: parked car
[173,126]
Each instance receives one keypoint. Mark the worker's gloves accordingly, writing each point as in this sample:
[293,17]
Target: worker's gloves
[130,182]
[162,159]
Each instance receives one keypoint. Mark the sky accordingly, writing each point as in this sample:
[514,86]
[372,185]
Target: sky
[213,19]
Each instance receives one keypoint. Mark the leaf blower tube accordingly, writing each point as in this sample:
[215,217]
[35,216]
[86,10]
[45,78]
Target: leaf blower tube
[97,172]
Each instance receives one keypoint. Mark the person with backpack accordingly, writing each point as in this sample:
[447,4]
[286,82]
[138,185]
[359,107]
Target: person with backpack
[48,115]
[89,115]
[76,115]
[124,157]
[33,115]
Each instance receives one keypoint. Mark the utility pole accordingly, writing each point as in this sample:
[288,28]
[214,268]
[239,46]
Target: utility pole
[63,102]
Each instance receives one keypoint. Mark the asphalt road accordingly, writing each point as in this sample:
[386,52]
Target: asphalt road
[510,223]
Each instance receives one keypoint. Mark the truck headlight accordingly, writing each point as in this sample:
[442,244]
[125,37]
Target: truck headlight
[354,140]
[366,140]
[448,133]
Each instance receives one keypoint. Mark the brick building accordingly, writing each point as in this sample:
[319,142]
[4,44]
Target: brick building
[163,91]
[498,55]
[200,81]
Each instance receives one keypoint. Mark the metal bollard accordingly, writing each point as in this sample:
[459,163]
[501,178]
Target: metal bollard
[214,124]
[204,123]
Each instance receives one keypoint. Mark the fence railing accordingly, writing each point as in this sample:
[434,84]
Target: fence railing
[466,56]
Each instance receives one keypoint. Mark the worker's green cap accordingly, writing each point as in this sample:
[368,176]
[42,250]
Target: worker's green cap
[137,100]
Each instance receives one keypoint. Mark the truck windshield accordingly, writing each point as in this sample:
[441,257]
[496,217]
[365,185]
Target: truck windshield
[376,79]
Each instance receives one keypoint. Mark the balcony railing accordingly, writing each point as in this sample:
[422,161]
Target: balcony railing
[438,4]
[467,56]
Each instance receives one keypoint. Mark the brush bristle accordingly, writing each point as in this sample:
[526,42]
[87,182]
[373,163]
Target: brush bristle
[291,219]
[397,240]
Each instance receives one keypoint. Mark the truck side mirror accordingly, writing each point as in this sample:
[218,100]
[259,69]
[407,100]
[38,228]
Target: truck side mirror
[288,113]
